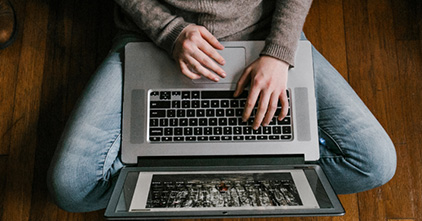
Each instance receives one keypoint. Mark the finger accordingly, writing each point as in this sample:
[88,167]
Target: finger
[262,109]
[202,70]
[206,61]
[187,72]
[250,103]
[242,82]
[210,38]
[272,108]
[284,105]
[211,52]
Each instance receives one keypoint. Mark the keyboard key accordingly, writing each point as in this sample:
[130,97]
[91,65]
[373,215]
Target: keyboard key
[250,137]
[174,122]
[154,139]
[238,138]
[237,130]
[274,137]
[159,104]
[190,138]
[166,139]
[195,94]
[181,113]
[178,131]
[178,138]
[225,138]
[207,130]
[229,112]
[196,104]
[185,104]
[285,121]
[185,94]
[165,95]
[203,122]
[266,130]
[210,112]
[216,94]
[276,130]
[286,137]
[168,131]
[222,121]
[213,121]
[197,131]
[205,104]
[262,137]
[156,131]
[234,103]
[183,122]
[224,103]
[202,138]
[247,130]
[215,103]
[153,122]
[193,122]
[214,138]
[158,113]
[171,113]
[200,113]
[287,130]
[190,113]
[187,131]
[227,130]
[218,131]
[232,121]
[219,112]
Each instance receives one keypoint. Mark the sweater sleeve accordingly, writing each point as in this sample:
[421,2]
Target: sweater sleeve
[288,19]
[155,20]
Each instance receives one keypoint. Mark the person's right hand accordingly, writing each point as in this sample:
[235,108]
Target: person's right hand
[195,52]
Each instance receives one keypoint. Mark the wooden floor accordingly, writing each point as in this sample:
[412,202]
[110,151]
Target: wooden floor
[376,45]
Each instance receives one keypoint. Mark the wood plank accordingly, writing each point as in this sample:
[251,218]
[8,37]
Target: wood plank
[3,172]
[9,60]
[23,137]
[410,67]
[373,74]
[406,24]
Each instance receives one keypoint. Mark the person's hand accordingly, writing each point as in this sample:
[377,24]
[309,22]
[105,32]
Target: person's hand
[195,52]
[268,78]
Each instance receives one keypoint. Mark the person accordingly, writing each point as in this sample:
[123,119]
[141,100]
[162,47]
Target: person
[8,25]
[356,153]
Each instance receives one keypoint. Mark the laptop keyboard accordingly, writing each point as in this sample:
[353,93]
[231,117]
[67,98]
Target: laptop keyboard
[209,116]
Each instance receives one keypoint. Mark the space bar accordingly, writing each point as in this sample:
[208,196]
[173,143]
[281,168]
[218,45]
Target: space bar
[221,94]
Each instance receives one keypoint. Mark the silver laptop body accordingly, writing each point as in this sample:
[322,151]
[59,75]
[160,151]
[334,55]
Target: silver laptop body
[149,69]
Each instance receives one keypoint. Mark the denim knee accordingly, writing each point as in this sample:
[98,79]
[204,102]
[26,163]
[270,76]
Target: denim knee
[368,164]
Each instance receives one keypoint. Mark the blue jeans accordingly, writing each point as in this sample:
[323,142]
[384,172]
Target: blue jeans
[356,152]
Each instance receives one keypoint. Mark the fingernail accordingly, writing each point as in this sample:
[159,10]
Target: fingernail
[224,74]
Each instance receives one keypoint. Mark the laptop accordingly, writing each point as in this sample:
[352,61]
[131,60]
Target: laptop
[188,154]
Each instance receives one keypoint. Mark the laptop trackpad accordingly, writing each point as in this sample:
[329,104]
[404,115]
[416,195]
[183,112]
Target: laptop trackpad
[235,58]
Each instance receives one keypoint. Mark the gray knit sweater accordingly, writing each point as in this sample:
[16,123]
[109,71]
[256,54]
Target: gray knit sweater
[279,22]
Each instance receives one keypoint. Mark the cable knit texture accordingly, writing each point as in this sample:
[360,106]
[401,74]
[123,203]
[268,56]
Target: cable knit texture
[279,22]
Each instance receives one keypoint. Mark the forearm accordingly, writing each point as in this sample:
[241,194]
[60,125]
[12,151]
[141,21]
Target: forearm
[288,19]
[155,20]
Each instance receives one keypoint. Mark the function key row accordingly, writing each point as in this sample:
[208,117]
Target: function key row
[214,94]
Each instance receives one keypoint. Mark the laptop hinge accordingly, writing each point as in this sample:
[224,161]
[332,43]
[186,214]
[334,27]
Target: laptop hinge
[185,161]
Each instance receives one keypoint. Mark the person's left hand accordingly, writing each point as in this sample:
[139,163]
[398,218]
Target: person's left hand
[268,78]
